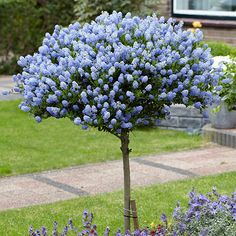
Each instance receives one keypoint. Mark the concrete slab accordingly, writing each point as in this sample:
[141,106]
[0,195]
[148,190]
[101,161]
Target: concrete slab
[7,84]
[52,186]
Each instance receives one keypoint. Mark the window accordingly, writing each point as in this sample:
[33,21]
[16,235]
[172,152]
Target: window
[205,8]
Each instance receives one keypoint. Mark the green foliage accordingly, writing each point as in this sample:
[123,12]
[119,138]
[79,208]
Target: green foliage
[206,215]
[229,90]
[221,49]
[23,25]
[87,10]
[148,7]
[222,224]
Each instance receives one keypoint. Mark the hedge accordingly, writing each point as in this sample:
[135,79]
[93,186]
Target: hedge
[87,10]
[221,49]
[23,25]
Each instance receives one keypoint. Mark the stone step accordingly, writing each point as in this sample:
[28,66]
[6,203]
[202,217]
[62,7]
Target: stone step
[225,137]
[183,118]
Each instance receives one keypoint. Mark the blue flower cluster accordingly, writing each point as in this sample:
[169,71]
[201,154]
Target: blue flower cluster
[117,72]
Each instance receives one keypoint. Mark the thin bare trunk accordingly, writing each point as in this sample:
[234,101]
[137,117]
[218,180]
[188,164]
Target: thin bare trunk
[125,152]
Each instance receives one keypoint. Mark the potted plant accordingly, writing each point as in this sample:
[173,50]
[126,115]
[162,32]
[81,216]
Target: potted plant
[223,115]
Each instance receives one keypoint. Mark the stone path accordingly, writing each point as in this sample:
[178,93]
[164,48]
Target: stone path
[46,187]
[6,84]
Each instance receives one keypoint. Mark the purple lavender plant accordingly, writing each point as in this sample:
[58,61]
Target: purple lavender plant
[207,215]
[88,228]
[117,73]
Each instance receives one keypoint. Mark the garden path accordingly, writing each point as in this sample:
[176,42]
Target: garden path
[6,84]
[68,183]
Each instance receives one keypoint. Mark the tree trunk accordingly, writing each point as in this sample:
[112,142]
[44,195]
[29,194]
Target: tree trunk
[125,152]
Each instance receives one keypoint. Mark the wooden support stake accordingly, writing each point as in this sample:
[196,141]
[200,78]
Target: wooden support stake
[134,214]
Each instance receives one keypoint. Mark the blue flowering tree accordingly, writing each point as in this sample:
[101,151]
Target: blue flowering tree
[115,74]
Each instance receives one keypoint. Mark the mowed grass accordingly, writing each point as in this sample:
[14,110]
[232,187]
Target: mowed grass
[107,208]
[27,147]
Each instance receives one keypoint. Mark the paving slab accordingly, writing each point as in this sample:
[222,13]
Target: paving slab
[7,84]
[68,183]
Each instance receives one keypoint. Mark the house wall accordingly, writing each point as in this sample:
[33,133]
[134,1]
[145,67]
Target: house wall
[226,35]
[214,30]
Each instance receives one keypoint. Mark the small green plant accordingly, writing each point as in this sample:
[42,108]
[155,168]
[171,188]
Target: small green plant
[228,83]
[221,49]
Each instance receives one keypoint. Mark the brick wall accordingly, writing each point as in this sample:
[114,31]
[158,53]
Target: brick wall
[220,34]
[214,30]
[164,8]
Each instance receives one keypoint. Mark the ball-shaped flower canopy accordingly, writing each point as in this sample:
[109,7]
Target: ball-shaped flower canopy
[117,72]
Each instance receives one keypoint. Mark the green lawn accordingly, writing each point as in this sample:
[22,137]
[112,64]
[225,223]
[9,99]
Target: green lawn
[151,203]
[30,147]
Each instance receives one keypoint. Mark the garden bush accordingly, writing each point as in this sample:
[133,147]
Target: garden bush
[228,84]
[23,25]
[206,215]
[86,10]
[221,49]
[116,73]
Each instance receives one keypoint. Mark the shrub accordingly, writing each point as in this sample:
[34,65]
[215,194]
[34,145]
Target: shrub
[228,84]
[86,10]
[210,215]
[23,25]
[117,73]
[221,49]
